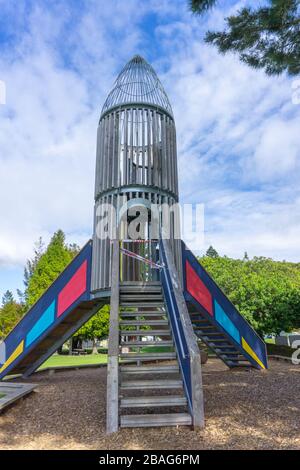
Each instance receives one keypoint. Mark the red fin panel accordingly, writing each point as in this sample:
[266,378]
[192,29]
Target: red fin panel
[73,289]
[197,289]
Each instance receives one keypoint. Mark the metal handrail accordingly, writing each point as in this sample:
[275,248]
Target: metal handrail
[178,312]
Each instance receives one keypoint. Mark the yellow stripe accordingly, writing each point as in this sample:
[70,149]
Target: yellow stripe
[19,349]
[251,353]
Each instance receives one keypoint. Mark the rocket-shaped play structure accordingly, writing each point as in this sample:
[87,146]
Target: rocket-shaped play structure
[161,299]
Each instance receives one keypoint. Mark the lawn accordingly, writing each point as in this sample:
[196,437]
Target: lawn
[66,360]
[63,360]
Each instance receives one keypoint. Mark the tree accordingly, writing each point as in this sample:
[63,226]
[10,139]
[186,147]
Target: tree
[96,328]
[267,37]
[10,313]
[266,292]
[7,298]
[39,249]
[47,265]
[212,253]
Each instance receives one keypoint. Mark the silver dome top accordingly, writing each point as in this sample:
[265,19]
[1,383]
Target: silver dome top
[137,84]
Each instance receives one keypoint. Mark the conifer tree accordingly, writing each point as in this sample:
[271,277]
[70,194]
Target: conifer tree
[266,37]
[212,253]
[48,267]
[10,313]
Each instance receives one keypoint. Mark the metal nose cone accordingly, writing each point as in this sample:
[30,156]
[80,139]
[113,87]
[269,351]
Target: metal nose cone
[137,83]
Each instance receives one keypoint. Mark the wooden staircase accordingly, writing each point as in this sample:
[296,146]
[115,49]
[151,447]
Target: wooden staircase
[154,366]
[218,341]
[150,378]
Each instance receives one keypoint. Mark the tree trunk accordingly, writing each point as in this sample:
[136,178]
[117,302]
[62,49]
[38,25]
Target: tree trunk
[70,346]
[95,350]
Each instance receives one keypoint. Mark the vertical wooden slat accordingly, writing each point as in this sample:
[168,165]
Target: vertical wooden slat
[154,149]
[149,182]
[143,146]
[137,144]
[129,178]
[164,155]
[125,156]
[113,162]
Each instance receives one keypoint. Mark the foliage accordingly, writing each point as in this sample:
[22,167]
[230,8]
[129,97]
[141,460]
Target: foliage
[7,298]
[96,327]
[201,6]
[39,274]
[267,37]
[46,266]
[10,313]
[266,292]
[39,249]
[212,253]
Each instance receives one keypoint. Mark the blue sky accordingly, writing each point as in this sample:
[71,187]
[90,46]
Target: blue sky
[237,129]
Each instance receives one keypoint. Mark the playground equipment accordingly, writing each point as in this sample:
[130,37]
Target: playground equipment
[161,298]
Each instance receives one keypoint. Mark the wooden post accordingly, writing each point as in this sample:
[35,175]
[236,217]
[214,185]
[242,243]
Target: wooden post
[112,406]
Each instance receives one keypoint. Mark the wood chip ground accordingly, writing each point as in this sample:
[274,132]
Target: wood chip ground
[244,410]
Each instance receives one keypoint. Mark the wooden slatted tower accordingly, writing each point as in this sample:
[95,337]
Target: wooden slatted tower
[136,159]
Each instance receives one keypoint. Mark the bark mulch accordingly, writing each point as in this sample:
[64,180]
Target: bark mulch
[243,410]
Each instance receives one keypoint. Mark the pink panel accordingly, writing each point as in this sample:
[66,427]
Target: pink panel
[73,290]
[197,288]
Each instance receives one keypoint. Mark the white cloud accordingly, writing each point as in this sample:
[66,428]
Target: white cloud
[278,151]
[238,136]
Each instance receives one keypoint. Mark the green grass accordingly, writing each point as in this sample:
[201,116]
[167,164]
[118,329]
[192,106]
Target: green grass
[156,349]
[62,361]
[270,340]
[2,395]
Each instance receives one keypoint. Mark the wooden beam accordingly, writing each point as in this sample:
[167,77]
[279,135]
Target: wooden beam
[112,407]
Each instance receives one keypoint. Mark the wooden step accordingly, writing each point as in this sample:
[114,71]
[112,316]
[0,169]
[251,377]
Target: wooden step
[130,344]
[142,304]
[239,358]
[140,288]
[148,356]
[204,328]
[152,369]
[221,340]
[154,401]
[221,348]
[154,420]
[142,314]
[212,334]
[139,283]
[150,384]
[230,353]
[143,322]
[137,297]
[166,332]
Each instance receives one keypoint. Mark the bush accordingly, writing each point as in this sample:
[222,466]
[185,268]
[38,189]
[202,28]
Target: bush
[102,351]
[279,350]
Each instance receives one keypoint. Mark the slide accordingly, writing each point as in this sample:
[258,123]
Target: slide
[216,321]
[59,313]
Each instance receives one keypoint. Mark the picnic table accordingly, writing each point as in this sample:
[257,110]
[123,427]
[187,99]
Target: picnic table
[79,352]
